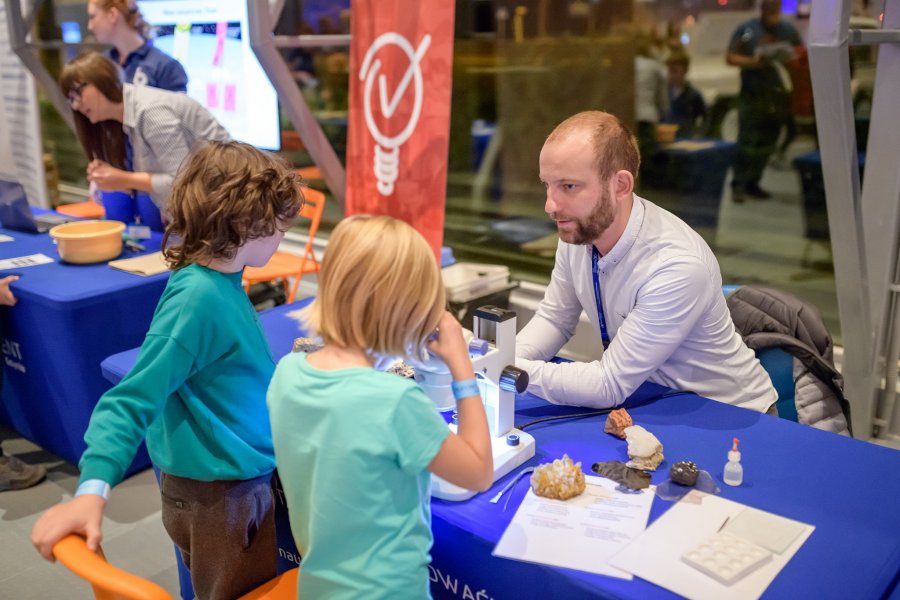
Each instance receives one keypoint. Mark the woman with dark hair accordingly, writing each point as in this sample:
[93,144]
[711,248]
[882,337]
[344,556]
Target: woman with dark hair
[161,127]
[119,23]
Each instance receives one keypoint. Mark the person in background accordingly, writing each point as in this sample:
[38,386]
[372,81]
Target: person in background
[120,23]
[161,126]
[686,107]
[15,474]
[762,47]
[355,446]
[197,391]
[651,96]
[648,283]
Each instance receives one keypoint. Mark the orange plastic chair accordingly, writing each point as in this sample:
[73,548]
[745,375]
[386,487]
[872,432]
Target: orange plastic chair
[88,210]
[112,583]
[290,141]
[284,266]
[283,587]
[309,173]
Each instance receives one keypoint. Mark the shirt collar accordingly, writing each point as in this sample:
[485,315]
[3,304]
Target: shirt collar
[139,52]
[626,241]
[128,116]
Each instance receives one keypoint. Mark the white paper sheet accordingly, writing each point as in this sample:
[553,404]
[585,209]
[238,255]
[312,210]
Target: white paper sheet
[580,533]
[24,261]
[655,555]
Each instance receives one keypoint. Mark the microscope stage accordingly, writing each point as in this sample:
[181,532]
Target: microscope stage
[506,458]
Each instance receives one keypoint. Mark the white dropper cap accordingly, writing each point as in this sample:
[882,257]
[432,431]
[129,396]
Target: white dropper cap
[734,455]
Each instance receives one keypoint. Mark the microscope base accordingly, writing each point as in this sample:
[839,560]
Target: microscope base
[506,458]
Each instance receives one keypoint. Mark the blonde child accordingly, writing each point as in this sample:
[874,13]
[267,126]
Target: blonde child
[355,446]
[197,390]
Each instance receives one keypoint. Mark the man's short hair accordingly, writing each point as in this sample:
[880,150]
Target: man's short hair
[615,147]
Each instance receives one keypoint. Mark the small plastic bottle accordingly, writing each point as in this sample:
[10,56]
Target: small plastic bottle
[734,472]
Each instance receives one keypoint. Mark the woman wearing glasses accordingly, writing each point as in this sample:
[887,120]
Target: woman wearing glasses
[161,126]
[120,24]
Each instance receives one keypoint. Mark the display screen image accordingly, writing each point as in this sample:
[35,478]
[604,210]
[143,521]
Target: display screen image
[209,39]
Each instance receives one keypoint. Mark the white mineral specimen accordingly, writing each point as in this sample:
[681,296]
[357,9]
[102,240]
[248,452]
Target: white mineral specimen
[644,450]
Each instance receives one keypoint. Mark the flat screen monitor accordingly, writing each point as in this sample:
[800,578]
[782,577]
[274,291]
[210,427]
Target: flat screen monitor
[71,32]
[209,38]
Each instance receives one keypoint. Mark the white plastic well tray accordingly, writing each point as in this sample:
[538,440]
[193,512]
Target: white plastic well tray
[465,281]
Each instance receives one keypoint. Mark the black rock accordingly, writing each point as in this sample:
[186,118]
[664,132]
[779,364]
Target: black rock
[684,472]
[621,473]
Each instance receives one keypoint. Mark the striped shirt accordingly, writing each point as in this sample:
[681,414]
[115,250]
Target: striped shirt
[163,127]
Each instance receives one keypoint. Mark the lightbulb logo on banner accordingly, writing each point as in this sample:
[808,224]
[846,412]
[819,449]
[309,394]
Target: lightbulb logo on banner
[401,57]
[387,145]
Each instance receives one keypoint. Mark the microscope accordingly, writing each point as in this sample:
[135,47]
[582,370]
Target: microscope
[493,354]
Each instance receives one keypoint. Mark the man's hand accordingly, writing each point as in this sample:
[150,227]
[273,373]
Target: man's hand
[7,298]
[81,515]
[106,177]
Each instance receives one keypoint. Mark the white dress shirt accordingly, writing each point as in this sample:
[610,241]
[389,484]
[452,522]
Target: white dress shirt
[665,315]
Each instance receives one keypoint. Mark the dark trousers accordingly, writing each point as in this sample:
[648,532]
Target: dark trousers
[760,122]
[225,531]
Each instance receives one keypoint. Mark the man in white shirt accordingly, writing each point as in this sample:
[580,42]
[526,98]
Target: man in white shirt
[648,283]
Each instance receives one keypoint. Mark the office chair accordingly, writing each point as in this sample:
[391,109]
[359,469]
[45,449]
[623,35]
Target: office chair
[284,266]
[112,583]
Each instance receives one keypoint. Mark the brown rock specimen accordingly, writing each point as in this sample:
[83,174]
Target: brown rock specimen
[617,421]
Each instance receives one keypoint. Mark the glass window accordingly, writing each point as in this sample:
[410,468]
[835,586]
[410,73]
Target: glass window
[730,149]
[732,152]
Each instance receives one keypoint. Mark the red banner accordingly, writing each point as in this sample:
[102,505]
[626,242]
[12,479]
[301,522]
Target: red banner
[401,58]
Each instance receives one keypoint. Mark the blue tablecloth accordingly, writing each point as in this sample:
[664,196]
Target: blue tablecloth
[67,320]
[846,488]
[688,180]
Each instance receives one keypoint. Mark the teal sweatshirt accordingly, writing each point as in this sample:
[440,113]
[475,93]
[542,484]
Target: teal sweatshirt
[197,391]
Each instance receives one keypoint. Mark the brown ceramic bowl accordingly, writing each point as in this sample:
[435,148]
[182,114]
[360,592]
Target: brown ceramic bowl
[85,242]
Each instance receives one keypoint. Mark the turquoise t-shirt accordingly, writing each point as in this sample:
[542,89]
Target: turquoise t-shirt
[353,446]
[197,390]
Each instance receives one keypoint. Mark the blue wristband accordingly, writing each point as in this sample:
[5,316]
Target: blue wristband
[464,389]
[98,487]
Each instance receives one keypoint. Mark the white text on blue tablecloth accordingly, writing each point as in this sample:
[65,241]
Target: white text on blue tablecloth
[12,355]
[451,584]
[24,261]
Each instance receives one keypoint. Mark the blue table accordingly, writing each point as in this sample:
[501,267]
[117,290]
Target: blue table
[846,488]
[687,177]
[67,320]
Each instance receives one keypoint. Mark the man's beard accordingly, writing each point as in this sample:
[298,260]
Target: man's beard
[591,227]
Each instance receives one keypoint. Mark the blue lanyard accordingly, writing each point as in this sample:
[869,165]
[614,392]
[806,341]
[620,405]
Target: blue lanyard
[595,259]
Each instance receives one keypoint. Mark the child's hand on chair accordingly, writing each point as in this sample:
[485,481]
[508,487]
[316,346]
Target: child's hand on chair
[82,515]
